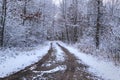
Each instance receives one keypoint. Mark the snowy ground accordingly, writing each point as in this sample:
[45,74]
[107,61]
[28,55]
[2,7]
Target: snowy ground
[101,68]
[60,54]
[13,61]
[107,70]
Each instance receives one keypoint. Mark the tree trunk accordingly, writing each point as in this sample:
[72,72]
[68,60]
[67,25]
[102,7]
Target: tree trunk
[67,33]
[75,20]
[3,19]
[97,37]
[75,34]
[24,10]
[65,18]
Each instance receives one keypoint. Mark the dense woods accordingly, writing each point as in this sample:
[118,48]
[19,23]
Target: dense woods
[59,39]
[90,23]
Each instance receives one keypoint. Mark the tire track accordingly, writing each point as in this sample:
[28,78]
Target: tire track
[75,70]
[28,71]
[37,71]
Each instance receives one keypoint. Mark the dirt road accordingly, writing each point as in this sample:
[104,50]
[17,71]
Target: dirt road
[73,68]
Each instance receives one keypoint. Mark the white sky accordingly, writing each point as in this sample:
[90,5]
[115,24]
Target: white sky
[57,2]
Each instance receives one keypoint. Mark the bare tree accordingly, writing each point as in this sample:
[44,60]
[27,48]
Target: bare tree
[24,10]
[2,22]
[64,15]
[98,25]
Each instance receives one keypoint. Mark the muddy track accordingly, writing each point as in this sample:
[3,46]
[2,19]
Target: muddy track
[73,70]
[28,71]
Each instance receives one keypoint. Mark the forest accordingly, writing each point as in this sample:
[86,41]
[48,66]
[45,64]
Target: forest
[89,23]
[92,26]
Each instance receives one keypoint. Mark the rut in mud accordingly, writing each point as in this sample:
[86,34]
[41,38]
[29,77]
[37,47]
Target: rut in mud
[74,69]
[28,73]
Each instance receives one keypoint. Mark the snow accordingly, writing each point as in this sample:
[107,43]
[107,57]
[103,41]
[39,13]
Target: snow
[20,61]
[106,70]
[101,68]
[57,2]
[59,68]
[60,56]
[47,65]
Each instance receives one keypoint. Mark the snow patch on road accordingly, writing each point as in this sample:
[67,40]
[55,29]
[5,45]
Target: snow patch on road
[60,56]
[59,68]
[20,61]
[41,73]
[106,70]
